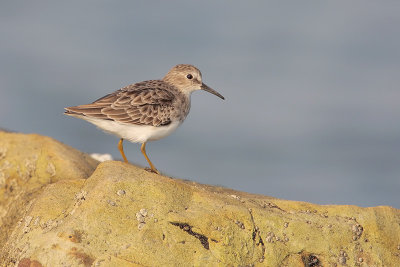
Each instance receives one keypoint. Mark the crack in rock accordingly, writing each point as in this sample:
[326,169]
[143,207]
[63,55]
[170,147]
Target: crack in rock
[310,260]
[188,229]
[256,233]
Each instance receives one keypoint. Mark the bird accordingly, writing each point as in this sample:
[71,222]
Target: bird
[145,111]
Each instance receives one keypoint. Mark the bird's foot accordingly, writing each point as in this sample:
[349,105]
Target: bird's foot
[152,170]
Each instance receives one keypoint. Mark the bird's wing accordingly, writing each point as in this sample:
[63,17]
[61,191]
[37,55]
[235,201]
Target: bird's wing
[135,104]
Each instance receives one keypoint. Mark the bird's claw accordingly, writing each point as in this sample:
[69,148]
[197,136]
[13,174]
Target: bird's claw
[152,170]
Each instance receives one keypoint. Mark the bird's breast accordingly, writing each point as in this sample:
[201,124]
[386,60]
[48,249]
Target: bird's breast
[181,108]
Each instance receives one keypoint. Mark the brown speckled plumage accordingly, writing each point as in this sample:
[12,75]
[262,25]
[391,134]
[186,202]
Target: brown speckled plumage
[153,102]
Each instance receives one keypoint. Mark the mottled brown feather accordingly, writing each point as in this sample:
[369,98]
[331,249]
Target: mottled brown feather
[145,103]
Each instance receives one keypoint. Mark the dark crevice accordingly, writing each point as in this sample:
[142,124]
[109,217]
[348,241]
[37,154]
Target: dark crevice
[256,233]
[260,241]
[272,206]
[310,260]
[188,229]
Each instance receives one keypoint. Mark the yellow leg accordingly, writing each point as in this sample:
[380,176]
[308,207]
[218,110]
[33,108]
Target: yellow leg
[121,149]
[143,149]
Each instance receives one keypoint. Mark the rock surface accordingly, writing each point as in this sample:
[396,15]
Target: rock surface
[62,212]
[28,162]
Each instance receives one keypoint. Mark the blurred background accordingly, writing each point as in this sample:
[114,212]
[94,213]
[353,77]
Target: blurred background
[312,88]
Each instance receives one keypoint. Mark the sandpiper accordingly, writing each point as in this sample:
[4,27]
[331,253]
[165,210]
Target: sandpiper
[145,111]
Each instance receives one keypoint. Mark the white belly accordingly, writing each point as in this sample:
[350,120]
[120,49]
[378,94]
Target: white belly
[134,133]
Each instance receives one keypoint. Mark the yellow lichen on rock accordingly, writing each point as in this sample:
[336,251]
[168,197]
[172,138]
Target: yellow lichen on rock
[123,215]
[27,163]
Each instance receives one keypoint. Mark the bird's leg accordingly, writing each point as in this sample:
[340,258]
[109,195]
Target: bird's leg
[121,149]
[143,149]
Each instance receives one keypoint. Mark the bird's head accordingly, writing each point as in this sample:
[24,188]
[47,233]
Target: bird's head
[187,78]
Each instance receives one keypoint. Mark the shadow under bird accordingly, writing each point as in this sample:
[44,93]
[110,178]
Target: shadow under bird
[145,111]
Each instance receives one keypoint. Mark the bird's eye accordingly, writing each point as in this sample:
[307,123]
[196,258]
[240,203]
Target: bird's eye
[189,76]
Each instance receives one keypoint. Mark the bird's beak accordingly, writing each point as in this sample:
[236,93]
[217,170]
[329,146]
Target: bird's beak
[210,90]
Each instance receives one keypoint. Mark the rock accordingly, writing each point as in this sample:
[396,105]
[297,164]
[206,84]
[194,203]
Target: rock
[123,215]
[28,162]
